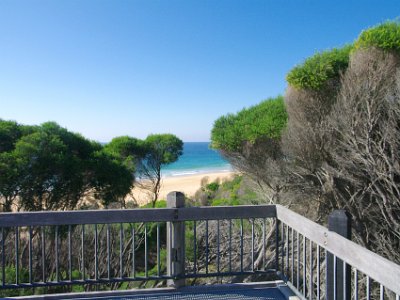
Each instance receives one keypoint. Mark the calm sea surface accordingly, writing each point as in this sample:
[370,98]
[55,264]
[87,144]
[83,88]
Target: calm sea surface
[197,158]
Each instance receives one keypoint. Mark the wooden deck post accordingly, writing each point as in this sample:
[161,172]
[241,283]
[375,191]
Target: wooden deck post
[339,221]
[176,242]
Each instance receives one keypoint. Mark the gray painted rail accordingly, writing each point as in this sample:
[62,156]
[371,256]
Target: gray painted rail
[378,268]
[52,218]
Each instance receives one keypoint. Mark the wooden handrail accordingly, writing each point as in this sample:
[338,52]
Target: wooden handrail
[378,268]
[78,217]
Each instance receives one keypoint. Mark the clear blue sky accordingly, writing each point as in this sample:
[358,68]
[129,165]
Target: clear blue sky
[111,68]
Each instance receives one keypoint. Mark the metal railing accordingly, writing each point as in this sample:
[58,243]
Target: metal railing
[321,264]
[50,249]
[178,244]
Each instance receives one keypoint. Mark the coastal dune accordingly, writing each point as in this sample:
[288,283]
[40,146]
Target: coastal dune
[187,184]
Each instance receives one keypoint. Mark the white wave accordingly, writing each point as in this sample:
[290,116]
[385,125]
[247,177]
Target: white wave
[179,173]
[184,173]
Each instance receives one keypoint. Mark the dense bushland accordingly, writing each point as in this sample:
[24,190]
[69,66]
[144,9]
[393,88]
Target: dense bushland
[231,132]
[385,36]
[339,148]
[235,191]
[251,140]
[315,71]
[47,167]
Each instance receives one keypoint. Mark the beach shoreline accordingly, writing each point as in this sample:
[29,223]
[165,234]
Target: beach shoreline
[188,184]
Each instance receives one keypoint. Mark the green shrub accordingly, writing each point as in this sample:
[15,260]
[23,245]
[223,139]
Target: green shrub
[319,68]
[159,204]
[10,275]
[232,185]
[385,36]
[225,202]
[189,245]
[266,119]
[213,186]
[163,258]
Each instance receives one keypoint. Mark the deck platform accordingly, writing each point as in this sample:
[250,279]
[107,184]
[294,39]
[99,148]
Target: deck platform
[99,249]
[276,290]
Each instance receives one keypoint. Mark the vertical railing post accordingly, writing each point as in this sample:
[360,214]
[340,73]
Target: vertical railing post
[277,242]
[176,242]
[339,221]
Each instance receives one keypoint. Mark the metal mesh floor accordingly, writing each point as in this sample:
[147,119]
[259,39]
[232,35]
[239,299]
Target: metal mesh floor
[242,294]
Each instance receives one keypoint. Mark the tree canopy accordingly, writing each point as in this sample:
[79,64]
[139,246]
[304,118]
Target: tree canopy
[48,167]
[265,120]
[163,149]
[385,36]
[127,150]
[160,149]
[316,70]
[339,148]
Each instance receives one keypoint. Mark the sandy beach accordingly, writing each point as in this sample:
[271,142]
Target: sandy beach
[188,185]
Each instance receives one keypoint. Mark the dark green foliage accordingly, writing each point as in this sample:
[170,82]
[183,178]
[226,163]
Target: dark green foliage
[10,275]
[113,178]
[208,191]
[127,149]
[225,202]
[163,149]
[265,120]
[385,36]
[123,150]
[9,183]
[213,186]
[126,146]
[318,69]
[159,204]
[10,132]
[49,168]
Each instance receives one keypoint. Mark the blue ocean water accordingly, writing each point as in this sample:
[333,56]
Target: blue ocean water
[197,158]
